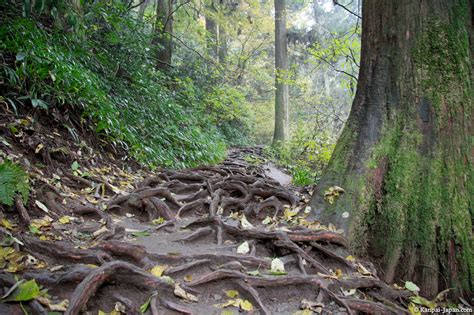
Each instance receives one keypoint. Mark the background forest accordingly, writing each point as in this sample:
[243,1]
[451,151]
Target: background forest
[193,142]
[212,89]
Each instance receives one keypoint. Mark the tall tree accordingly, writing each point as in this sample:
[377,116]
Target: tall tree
[405,158]
[282,119]
[163,33]
[141,9]
[212,29]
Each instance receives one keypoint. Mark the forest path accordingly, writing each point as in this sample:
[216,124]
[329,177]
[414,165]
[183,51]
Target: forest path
[210,240]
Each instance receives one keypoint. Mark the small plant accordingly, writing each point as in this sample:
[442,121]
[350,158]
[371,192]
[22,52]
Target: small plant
[13,181]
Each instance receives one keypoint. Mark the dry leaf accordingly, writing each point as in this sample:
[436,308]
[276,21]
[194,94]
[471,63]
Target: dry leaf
[232,293]
[245,223]
[277,265]
[243,248]
[158,270]
[42,206]
[179,292]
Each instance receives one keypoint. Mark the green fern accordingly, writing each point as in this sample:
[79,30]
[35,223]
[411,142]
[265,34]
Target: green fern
[13,180]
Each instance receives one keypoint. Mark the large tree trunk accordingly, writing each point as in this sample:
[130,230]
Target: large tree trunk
[282,119]
[405,155]
[163,32]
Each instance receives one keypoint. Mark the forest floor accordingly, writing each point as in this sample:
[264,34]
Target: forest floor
[224,239]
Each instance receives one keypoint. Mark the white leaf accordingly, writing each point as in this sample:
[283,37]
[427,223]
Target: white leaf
[42,206]
[277,265]
[245,223]
[243,248]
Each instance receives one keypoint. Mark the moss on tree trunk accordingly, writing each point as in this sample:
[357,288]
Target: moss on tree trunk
[405,155]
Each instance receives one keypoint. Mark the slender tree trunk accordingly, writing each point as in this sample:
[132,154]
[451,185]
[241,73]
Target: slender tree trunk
[405,155]
[222,46]
[163,31]
[141,9]
[212,29]
[282,119]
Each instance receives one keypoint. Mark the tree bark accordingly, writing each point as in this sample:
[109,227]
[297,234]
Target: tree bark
[282,119]
[163,31]
[222,46]
[141,9]
[405,157]
[212,29]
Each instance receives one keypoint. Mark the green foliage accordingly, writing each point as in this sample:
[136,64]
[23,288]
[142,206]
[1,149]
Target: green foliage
[305,155]
[104,65]
[13,180]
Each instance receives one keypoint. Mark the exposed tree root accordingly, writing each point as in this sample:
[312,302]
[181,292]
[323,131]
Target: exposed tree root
[99,275]
[209,201]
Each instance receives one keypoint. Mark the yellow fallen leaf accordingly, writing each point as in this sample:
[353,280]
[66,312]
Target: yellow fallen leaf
[246,306]
[64,220]
[39,147]
[232,293]
[188,278]
[59,307]
[8,225]
[158,270]
[413,309]
[338,273]
[362,270]
[350,258]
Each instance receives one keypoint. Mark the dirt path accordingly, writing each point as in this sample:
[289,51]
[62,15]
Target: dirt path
[211,240]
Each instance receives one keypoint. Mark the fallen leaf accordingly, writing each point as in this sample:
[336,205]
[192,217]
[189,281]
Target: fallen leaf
[144,306]
[243,248]
[232,293]
[350,258]
[255,273]
[7,224]
[188,278]
[64,219]
[25,291]
[267,220]
[422,301]
[338,273]
[100,231]
[59,307]
[42,206]
[39,147]
[413,309]
[410,286]
[348,292]
[158,221]
[362,270]
[277,265]
[312,306]
[158,270]
[179,292]
[75,166]
[332,193]
[246,306]
[245,223]
[141,233]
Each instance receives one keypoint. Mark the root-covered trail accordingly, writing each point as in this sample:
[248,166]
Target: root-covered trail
[197,241]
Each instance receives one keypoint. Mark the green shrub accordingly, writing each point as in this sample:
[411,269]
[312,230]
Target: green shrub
[305,155]
[13,181]
[104,66]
